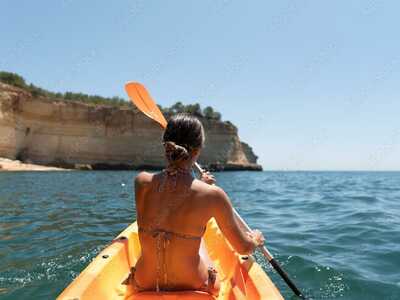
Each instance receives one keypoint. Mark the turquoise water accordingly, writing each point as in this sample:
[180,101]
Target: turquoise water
[336,233]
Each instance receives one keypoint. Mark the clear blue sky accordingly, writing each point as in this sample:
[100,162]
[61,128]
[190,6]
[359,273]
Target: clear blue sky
[310,84]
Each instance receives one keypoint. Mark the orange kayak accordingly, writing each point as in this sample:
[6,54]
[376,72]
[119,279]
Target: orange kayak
[106,276]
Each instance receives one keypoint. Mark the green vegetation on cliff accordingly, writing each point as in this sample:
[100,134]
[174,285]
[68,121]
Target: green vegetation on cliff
[18,81]
[194,109]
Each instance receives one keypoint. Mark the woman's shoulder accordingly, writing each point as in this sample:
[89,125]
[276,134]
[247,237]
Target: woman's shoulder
[143,178]
[210,191]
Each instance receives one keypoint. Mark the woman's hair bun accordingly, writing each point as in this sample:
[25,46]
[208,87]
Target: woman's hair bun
[175,152]
[184,133]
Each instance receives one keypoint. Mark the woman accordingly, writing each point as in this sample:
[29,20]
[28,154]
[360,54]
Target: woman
[173,209]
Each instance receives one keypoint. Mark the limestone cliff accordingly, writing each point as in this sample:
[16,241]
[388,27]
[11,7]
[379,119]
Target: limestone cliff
[59,133]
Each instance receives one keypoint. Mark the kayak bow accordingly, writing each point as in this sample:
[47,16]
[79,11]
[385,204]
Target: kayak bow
[106,276]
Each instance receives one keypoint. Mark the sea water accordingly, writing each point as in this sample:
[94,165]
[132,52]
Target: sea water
[337,234]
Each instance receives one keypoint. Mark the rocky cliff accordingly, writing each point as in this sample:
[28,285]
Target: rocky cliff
[70,134]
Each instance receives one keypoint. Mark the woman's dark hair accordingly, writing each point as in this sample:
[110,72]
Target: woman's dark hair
[184,133]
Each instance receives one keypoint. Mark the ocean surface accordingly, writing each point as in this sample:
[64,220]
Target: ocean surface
[336,233]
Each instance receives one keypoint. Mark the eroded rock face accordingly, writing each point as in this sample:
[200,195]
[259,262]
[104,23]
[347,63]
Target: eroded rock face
[59,133]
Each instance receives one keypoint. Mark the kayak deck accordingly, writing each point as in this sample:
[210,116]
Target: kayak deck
[105,277]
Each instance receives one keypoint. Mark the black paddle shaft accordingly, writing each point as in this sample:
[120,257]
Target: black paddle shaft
[285,277]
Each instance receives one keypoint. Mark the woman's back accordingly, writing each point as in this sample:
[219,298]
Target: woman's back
[173,211]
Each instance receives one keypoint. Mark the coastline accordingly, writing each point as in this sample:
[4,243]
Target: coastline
[16,165]
[44,131]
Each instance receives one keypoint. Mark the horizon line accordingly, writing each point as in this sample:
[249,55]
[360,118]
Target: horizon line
[325,170]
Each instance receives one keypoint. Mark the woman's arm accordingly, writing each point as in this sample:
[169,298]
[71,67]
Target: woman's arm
[141,181]
[242,241]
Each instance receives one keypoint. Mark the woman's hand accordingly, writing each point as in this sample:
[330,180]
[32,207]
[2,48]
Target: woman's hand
[257,237]
[207,177]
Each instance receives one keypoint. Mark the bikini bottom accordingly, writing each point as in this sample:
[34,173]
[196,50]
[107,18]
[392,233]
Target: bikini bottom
[208,286]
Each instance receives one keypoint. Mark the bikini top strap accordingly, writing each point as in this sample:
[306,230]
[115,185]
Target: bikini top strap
[157,231]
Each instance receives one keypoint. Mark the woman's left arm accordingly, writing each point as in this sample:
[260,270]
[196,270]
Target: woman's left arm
[141,181]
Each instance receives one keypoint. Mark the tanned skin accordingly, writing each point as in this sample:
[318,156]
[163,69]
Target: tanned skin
[195,202]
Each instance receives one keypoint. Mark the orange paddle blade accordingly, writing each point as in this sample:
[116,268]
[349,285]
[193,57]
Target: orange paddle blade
[143,101]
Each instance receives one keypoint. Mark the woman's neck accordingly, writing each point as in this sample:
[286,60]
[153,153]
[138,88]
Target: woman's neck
[182,169]
[188,165]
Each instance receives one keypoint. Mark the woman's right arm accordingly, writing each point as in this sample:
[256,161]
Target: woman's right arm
[224,214]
